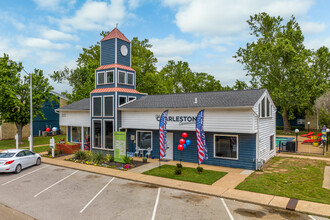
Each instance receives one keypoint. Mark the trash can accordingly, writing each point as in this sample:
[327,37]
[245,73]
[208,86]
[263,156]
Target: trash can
[291,146]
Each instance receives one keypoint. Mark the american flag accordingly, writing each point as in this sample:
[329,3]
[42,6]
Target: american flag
[162,135]
[201,145]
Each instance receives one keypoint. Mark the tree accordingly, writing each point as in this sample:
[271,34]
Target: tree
[15,94]
[240,85]
[278,61]
[322,106]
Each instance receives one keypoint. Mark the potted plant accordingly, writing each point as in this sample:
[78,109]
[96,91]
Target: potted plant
[144,160]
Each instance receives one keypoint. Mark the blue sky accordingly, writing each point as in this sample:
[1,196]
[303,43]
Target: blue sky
[50,34]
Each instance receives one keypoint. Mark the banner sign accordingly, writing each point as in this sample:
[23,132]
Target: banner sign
[119,146]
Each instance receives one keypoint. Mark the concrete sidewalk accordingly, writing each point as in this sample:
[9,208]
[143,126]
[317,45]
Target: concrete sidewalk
[225,187]
[303,157]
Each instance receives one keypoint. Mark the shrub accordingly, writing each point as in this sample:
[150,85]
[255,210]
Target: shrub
[109,158]
[79,155]
[127,160]
[89,155]
[49,151]
[199,169]
[179,165]
[98,158]
[177,171]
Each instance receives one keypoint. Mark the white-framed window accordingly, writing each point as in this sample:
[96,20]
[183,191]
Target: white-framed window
[75,134]
[144,139]
[265,108]
[108,106]
[108,128]
[97,133]
[130,78]
[131,98]
[97,106]
[300,121]
[121,77]
[100,78]
[226,146]
[271,147]
[122,100]
[109,77]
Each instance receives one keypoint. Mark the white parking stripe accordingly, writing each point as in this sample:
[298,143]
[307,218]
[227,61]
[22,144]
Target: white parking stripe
[96,195]
[225,205]
[311,217]
[156,204]
[54,184]
[24,175]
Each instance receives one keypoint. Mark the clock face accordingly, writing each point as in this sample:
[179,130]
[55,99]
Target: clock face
[123,50]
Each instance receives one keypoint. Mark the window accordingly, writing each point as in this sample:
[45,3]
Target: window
[300,121]
[97,106]
[110,77]
[271,142]
[130,78]
[144,139]
[122,100]
[122,77]
[100,78]
[108,106]
[263,108]
[268,107]
[108,134]
[226,146]
[97,131]
[131,98]
[28,153]
[76,134]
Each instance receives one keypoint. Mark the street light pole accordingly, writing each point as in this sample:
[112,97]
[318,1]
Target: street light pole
[31,108]
[328,130]
[297,131]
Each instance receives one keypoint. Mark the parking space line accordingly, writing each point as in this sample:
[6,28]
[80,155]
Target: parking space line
[311,217]
[96,195]
[156,205]
[24,175]
[54,184]
[225,205]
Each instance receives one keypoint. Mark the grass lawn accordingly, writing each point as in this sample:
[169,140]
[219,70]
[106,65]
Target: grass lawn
[290,177]
[8,144]
[188,174]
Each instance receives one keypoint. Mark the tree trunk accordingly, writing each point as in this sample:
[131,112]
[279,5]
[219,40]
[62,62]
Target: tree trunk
[19,127]
[286,123]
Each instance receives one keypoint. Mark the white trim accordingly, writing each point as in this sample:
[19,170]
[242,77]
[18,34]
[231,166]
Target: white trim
[136,133]
[116,109]
[98,78]
[116,50]
[92,144]
[119,100]
[115,78]
[106,77]
[67,133]
[92,110]
[131,100]
[119,77]
[227,135]
[130,54]
[113,109]
[113,134]
[127,73]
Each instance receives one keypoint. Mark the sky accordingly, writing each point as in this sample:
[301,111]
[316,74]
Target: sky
[50,34]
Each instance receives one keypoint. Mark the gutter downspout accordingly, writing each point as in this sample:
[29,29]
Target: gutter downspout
[257,139]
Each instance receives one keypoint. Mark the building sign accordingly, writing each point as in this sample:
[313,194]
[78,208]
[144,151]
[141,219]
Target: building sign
[182,120]
[119,146]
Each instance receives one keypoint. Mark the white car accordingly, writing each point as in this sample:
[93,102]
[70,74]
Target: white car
[14,160]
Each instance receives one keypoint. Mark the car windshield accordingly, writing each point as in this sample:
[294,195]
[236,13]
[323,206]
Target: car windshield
[6,155]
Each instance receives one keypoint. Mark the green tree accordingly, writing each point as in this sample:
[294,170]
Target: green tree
[278,61]
[15,94]
[240,85]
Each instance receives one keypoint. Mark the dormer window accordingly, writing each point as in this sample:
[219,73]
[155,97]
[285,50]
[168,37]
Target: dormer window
[100,78]
[109,76]
[265,108]
[130,78]
[122,77]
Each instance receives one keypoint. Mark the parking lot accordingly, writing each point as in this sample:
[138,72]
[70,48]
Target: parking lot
[51,192]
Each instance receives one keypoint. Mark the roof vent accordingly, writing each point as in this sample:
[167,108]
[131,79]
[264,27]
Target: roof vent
[195,101]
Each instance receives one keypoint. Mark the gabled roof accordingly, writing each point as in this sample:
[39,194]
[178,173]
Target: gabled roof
[110,66]
[222,99]
[115,89]
[82,105]
[115,33]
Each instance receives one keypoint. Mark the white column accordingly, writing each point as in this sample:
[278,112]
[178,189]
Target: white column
[82,138]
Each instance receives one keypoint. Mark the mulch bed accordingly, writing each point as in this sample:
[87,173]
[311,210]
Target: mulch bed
[56,155]
[133,164]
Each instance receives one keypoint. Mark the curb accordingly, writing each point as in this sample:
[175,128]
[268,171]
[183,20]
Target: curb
[233,194]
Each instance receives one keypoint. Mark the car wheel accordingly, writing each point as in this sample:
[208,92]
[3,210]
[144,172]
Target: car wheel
[18,168]
[38,161]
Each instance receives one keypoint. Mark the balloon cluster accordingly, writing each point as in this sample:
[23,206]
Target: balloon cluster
[183,143]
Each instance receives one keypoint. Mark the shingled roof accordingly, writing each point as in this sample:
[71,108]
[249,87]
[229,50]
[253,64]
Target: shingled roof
[115,33]
[241,98]
[82,105]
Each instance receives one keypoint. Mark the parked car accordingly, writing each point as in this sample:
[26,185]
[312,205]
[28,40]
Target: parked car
[14,160]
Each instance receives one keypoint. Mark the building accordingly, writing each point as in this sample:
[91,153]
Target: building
[240,126]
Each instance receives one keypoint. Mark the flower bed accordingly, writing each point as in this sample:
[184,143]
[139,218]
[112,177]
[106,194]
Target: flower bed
[67,148]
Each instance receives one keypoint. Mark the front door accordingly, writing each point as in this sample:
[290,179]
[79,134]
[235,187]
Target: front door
[169,150]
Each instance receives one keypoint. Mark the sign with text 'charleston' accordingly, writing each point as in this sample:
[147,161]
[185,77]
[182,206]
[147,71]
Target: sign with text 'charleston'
[182,119]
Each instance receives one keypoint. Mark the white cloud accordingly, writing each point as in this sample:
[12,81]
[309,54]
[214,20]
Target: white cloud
[312,27]
[95,16]
[10,18]
[222,18]
[43,44]
[58,35]
[317,43]
[134,4]
[54,5]
[47,57]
